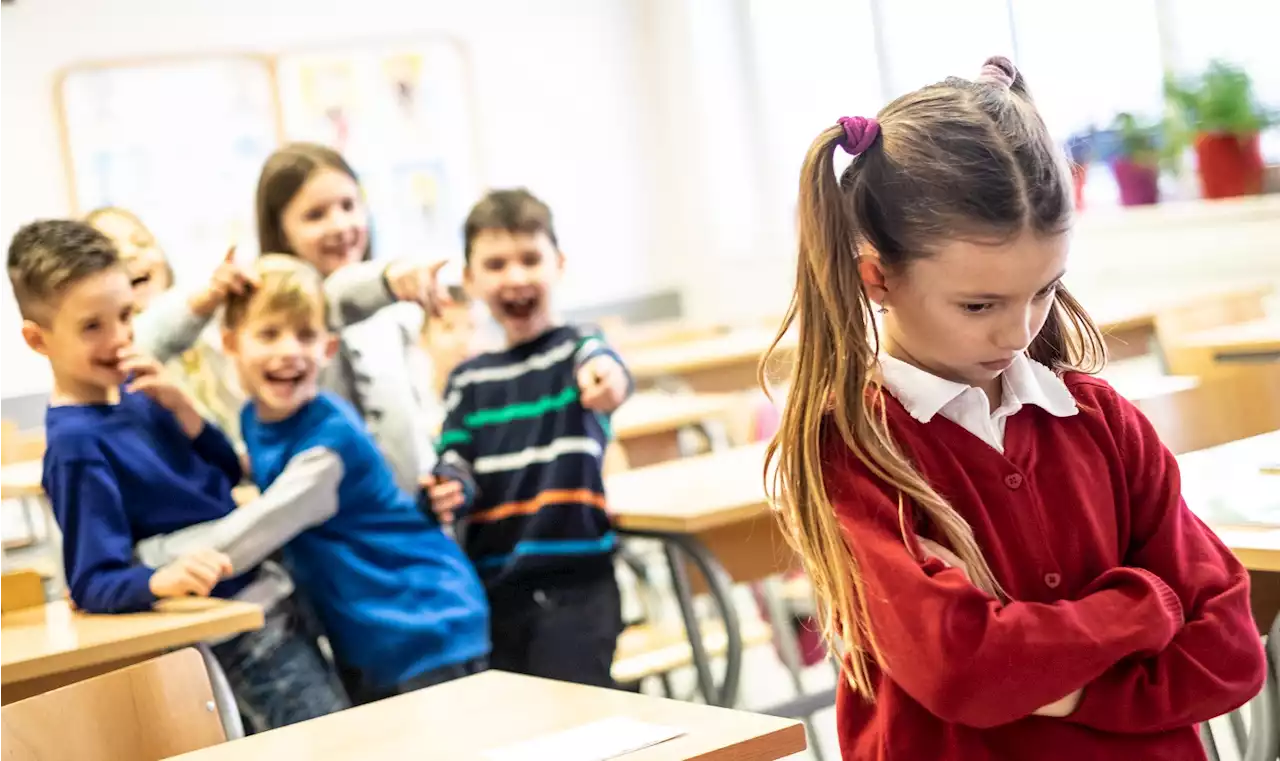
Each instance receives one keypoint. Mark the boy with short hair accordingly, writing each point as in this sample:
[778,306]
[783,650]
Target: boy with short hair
[521,450]
[127,464]
[402,607]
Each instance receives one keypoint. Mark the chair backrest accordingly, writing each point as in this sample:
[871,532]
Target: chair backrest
[20,589]
[149,711]
[19,446]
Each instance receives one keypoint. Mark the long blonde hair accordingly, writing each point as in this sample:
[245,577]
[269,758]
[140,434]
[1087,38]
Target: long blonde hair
[962,159]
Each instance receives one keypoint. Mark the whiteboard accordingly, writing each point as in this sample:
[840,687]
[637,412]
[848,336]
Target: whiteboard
[180,143]
[402,116]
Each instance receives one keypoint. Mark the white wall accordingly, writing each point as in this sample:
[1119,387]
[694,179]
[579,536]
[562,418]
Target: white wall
[560,90]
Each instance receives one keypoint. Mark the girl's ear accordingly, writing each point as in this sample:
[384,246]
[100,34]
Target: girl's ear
[871,270]
[331,346]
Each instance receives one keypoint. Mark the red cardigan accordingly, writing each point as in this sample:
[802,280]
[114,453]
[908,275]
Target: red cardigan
[1117,587]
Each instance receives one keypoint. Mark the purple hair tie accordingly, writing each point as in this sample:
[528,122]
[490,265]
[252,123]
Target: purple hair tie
[859,133]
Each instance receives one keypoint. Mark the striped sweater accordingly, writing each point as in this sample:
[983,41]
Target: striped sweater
[528,455]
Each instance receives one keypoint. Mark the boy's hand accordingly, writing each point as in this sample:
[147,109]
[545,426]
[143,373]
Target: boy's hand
[446,496]
[603,384]
[1061,707]
[227,279]
[191,575]
[149,377]
[417,282]
[934,550]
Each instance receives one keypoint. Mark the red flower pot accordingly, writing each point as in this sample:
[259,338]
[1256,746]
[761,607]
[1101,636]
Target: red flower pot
[1230,165]
[1139,183]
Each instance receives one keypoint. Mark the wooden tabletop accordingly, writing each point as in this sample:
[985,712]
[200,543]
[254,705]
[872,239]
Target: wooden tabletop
[692,494]
[51,639]
[21,479]
[651,412]
[736,347]
[1256,337]
[472,717]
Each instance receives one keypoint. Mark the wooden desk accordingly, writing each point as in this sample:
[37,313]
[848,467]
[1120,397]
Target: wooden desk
[467,718]
[47,647]
[709,365]
[21,480]
[1219,351]
[648,424]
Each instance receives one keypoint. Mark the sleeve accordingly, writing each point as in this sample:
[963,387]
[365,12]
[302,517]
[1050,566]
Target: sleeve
[456,447]
[304,495]
[97,543]
[357,291]
[1215,663]
[970,659]
[592,344]
[168,327]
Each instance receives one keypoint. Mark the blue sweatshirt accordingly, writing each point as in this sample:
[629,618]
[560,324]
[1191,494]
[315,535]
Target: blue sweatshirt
[396,596]
[120,473]
[529,456]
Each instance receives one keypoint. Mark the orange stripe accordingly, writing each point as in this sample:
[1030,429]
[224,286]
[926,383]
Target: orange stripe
[550,497]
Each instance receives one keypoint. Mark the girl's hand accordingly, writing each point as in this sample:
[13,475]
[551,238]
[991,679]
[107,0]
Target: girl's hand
[1061,707]
[934,550]
[193,575]
[227,279]
[413,281]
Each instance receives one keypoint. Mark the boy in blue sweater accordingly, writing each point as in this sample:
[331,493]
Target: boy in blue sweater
[521,451]
[402,607]
[125,465]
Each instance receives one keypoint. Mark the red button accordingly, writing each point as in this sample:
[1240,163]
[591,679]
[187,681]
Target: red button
[1013,480]
[1052,580]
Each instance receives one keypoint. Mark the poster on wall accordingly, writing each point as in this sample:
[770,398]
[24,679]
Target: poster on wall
[401,114]
[179,143]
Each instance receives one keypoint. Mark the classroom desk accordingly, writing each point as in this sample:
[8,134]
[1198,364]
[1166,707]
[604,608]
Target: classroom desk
[21,480]
[473,717]
[709,510]
[648,424]
[50,646]
[1210,353]
[709,365]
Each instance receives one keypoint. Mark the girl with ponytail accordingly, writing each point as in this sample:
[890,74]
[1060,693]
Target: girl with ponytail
[1002,557]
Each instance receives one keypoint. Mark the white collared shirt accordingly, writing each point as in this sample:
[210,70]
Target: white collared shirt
[1025,382]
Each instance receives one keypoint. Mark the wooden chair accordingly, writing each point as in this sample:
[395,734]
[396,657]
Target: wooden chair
[145,712]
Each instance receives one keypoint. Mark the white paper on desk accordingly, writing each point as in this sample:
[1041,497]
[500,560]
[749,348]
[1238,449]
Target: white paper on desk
[597,741]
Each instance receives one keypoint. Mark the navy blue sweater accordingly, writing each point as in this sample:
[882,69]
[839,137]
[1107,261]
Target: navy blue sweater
[529,456]
[396,596]
[119,473]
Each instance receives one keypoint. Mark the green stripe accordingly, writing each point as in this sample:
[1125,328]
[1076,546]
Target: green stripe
[450,438]
[607,425]
[522,410]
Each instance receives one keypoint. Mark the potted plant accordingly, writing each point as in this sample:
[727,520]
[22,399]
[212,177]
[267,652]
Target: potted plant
[1218,113]
[1135,159]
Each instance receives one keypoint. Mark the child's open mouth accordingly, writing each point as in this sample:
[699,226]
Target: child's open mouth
[285,382]
[520,309]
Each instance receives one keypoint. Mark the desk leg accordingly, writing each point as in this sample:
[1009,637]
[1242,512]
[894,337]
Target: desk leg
[223,697]
[676,546]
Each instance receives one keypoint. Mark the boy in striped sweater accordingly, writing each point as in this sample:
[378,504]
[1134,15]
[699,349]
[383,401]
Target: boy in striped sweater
[520,455]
